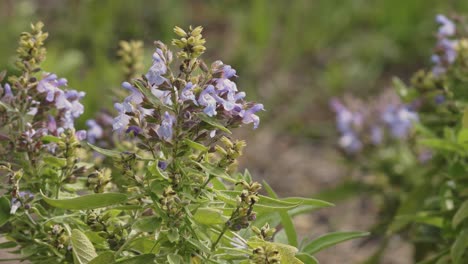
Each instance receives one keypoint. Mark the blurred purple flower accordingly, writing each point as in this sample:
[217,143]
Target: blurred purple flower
[399,120]
[447,27]
[350,143]
[95,131]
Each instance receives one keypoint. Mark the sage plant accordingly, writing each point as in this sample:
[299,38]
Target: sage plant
[426,172]
[163,187]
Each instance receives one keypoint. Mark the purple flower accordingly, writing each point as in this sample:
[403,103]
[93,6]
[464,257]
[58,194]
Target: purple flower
[350,142]
[208,100]
[164,131]
[447,27]
[164,96]
[159,68]
[122,120]
[399,120]
[80,135]
[162,164]
[95,131]
[445,51]
[346,121]
[50,85]
[133,129]
[187,94]
[135,97]
[76,108]
[8,94]
[228,72]
[439,99]
[248,116]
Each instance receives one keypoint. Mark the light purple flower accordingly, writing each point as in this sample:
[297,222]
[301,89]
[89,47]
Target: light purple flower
[50,85]
[135,97]
[350,143]
[164,96]
[164,131]
[208,100]
[80,135]
[122,120]
[399,120]
[249,116]
[159,68]
[76,108]
[187,94]
[228,72]
[95,131]
[447,27]
[8,94]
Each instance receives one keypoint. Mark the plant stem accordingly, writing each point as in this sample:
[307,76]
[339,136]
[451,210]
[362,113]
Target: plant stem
[213,247]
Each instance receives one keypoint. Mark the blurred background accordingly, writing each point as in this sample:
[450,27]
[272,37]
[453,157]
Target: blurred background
[293,56]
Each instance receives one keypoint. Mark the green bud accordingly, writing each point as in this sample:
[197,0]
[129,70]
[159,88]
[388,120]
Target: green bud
[180,32]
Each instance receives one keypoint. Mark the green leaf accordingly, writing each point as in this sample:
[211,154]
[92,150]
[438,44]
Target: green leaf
[459,247]
[87,202]
[174,259]
[173,235]
[8,244]
[142,259]
[104,258]
[105,152]
[145,245]
[50,139]
[83,249]
[147,224]
[209,216]
[460,215]
[442,145]
[411,204]
[465,118]
[286,220]
[4,210]
[331,239]
[306,258]
[213,122]
[54,161]
[195,145]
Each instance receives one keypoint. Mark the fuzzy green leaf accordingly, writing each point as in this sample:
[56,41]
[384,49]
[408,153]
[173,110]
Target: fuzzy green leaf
[459,247]
[105,152]
[4,210]
[83,249]
[147,224]
[104,258]
[331,239]
[213,122]
[87,202]
[142,259]
[461,214]
[209,216]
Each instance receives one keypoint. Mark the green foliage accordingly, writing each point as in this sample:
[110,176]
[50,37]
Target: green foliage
[168,193]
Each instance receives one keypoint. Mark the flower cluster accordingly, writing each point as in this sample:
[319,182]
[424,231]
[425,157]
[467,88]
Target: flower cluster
[446,48]
[362,124]
[212,93]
